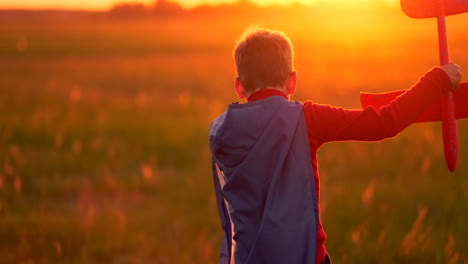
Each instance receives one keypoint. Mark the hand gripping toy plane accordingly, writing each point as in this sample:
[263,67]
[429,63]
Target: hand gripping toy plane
[454,105]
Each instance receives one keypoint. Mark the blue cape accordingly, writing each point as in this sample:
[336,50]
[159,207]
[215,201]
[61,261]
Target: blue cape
[264,183]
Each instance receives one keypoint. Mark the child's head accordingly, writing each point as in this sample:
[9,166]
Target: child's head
[264,59]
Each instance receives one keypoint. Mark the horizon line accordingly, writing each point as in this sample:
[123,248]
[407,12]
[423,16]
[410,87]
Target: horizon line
[185,8]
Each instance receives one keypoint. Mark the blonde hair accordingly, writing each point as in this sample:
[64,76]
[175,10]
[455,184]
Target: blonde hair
[263,58]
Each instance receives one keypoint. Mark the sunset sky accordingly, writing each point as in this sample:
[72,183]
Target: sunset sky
[106,4]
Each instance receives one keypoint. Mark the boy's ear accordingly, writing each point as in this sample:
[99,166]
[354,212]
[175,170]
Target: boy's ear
[292,82]
[239,88]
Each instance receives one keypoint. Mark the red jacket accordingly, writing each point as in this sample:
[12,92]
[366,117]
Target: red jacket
[327,123]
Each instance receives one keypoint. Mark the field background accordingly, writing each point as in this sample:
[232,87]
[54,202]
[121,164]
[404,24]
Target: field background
[104,136]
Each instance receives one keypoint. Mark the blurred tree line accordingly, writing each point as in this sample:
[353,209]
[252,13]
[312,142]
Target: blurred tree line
[171,8]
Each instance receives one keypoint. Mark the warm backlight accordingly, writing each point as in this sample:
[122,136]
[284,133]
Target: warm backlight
[106,4]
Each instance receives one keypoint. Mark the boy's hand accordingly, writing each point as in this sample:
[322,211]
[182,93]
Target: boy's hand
[453,71]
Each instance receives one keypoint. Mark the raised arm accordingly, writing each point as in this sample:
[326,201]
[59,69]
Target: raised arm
[370,124]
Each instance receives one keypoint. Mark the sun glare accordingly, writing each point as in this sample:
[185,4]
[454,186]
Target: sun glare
[307,2]
[106,4]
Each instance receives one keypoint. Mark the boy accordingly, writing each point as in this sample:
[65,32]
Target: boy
[265,151]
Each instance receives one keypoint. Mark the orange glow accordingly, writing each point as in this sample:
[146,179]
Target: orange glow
[70,4]
[106,4]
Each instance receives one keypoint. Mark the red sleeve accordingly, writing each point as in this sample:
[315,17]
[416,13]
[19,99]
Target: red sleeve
[327,123]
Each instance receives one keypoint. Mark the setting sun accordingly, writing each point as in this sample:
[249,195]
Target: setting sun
[106,4]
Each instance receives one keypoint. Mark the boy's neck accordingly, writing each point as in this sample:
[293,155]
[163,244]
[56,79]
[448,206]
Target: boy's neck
[264,93]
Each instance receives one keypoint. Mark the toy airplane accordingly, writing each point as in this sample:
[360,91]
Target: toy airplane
[453,105]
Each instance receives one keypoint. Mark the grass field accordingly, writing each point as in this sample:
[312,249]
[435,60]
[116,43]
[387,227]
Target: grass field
[104,138]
